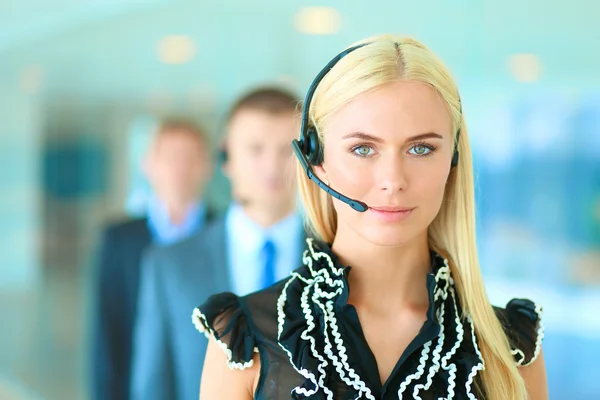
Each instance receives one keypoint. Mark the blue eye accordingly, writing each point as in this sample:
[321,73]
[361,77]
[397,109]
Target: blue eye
[421,150]
[363,151]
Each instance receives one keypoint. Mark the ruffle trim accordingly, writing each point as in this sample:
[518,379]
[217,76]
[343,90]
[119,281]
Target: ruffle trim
[222,318]
[315,347]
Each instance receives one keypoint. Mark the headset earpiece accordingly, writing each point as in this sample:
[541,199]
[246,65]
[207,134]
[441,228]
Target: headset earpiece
[454,161]
[312,147]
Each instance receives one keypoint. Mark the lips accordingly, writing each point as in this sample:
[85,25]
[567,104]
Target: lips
[389,214]
[392,208]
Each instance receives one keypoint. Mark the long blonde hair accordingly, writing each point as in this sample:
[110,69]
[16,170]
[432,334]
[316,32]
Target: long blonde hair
[452,233]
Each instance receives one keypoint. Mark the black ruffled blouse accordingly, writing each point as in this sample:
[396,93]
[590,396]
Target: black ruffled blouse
[312,346]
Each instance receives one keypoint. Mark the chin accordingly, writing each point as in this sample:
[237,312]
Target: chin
[391,235]
[386,236]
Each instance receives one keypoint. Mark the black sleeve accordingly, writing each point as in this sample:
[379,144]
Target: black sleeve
[223,318]
[523,326]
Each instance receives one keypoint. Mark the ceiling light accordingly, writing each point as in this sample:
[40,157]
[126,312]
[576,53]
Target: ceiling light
[318,20]
[176,49]
[525,68]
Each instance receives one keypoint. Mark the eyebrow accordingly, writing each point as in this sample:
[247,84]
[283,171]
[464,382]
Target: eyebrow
[365,136]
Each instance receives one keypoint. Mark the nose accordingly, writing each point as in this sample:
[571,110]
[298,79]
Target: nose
[392,173]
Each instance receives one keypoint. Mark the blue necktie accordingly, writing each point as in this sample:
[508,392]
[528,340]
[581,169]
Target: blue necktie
[269,271]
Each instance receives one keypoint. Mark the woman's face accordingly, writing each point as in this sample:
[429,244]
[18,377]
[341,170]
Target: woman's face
[390,148]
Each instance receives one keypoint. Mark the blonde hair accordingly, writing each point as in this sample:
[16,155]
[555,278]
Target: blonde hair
[452,233]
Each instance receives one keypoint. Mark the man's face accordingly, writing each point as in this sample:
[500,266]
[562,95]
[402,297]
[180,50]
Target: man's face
[179,165]
[259,155]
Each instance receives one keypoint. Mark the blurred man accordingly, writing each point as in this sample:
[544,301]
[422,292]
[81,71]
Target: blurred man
[248,249]
[178,166]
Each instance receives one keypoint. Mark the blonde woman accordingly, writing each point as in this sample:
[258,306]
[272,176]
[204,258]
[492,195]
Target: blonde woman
[390,302]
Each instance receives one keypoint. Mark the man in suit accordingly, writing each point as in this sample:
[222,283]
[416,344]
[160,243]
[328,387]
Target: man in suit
[178,166]
[259,241]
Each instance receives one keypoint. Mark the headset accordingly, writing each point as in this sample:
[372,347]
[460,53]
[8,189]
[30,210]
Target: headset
[308,148]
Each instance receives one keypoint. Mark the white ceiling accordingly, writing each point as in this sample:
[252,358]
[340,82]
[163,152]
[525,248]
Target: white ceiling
[107,48]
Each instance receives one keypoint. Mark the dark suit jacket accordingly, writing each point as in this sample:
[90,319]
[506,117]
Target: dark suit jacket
[169,352]
[117,282]
[116,286]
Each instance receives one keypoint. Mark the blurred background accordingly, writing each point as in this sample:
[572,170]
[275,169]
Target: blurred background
[82,84]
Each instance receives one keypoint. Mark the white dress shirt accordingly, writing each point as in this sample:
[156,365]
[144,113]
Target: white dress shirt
[245,242]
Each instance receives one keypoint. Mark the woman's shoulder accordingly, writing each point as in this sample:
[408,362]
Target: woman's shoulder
[522,323]
[240,324]
[222,317]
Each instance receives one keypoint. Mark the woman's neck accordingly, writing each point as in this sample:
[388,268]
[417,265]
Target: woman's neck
[384,278]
